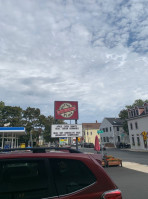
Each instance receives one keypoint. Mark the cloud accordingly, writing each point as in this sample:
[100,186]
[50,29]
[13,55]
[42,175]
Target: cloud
[94,52]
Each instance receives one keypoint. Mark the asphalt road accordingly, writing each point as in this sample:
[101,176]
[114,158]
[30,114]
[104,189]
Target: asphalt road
[124,154]
[129,156]
[132,181]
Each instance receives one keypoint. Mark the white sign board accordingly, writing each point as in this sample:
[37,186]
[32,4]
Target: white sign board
[66,130]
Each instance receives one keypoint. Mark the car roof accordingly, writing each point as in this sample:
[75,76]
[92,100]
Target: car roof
[40,152]
[43,155]
[47,152]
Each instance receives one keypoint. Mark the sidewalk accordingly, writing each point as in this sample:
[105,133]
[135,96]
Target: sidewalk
[135,166]
[135,150]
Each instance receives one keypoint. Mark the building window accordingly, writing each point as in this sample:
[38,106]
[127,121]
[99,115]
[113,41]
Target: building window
[101,139]
[110,129]
[138,141]
[131,126]
[106,129]
[118,138]
[107,139]
[133,140]
[117,128]
[103,129]
[131,113]
[136,125]
[104,139]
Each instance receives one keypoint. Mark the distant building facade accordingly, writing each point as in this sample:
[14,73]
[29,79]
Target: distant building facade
[113,131]
[89,131]
[138,127]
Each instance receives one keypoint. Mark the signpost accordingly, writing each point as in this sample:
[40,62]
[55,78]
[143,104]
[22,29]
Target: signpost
[66,110]
[99,131]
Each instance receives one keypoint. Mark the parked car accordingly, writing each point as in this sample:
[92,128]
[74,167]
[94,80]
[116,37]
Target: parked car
[126,145]
[62,174]
[123,145]
[102,148]
[87,145]
[91,145]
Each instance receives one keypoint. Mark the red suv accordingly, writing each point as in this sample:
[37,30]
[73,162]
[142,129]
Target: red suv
[64,174]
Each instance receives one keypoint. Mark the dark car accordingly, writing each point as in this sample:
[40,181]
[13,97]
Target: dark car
[126,145]
[102,148]
[91,145]
[119,145]
[64,174]
[123,145]
[87,145]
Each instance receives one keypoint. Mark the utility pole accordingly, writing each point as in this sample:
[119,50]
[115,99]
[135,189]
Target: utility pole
[76,138]
[31,143]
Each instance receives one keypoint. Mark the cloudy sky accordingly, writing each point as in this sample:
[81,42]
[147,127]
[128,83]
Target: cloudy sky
[90,51]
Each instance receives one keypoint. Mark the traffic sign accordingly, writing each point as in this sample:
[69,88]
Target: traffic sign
[99,131]
[144,135]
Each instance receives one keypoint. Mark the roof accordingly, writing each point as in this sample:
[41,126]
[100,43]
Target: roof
[115,121]
[12,129]
[143,112]
[91,125]
[19,130]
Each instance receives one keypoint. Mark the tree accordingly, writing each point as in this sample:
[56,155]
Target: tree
[124,113]
[31,122]
[12,115]
[31,119]
[47,132]
[2,105]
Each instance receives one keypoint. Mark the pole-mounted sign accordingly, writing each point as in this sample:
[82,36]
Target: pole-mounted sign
[99,131]
[66,110]
[66,130]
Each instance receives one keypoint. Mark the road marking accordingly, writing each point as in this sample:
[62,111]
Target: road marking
[135,166]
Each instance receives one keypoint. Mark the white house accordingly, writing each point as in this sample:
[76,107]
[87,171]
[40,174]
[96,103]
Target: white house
[113,132]
[138,127]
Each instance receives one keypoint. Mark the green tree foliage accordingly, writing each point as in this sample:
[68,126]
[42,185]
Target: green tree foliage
[12,115]
[124,113]
[2,105]
[31,118]
[47,132]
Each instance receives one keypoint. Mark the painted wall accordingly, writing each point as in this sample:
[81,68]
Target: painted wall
[135,133]
[113,134]
[90,134]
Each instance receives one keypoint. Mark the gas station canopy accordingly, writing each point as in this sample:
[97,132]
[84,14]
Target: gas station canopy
[9,136]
